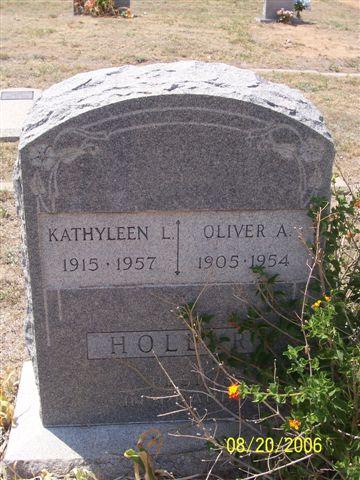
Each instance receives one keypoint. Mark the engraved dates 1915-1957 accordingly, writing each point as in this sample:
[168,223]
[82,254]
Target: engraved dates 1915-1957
[124,264]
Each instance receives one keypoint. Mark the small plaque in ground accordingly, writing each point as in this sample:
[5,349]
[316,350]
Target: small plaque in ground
[17,95]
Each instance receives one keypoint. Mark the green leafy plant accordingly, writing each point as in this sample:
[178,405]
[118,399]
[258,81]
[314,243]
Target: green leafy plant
[8,389]
[304,372]
[4,213]
[301,5]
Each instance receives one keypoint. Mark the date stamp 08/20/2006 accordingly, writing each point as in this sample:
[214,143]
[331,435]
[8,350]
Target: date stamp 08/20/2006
[261,445]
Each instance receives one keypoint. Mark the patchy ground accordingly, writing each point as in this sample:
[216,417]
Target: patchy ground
[42,42]
[12,297]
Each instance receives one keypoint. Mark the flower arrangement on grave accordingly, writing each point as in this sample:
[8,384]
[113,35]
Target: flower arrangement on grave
[101,8]
[285,16]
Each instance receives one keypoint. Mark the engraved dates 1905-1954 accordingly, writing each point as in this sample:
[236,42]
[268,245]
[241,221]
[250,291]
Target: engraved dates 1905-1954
[124,264]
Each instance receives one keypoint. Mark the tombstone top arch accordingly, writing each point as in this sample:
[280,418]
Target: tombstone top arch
[200,103]
[95,89]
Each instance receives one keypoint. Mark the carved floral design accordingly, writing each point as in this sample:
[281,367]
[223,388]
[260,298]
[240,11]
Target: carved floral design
[47,159]
[43,157]
[283,139]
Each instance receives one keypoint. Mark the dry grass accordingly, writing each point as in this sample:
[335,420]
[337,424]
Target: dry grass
[8,152]
[8,390]
[42,42]
[12,298]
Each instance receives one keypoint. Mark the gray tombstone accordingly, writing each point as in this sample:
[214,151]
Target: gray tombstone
[122,4]
[271,8]
[138,186]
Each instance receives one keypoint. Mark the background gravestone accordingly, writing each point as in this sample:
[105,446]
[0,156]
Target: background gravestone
[272,6]
[122,3]
[15,104]
[137,187]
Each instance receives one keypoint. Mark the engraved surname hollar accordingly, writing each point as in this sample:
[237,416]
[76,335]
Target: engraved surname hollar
[166,343]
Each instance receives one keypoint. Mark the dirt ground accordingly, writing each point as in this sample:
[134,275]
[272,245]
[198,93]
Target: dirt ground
[42,43]
[12,297]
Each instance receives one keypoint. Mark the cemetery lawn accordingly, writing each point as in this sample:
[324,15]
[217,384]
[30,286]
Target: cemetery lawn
[43,43]
[12,295]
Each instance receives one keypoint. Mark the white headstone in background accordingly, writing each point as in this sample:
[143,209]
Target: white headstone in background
[15,103]
[271,8]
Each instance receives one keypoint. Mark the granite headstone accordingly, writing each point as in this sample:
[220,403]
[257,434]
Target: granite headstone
[138,186]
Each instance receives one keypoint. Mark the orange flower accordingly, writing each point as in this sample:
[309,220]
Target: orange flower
[327,298]
[126,13]
[316,304]
[357,203]
[89,5]
[233,391]
[294,423]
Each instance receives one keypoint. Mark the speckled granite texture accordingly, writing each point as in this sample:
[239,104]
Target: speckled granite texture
[87,91]
[178,137]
